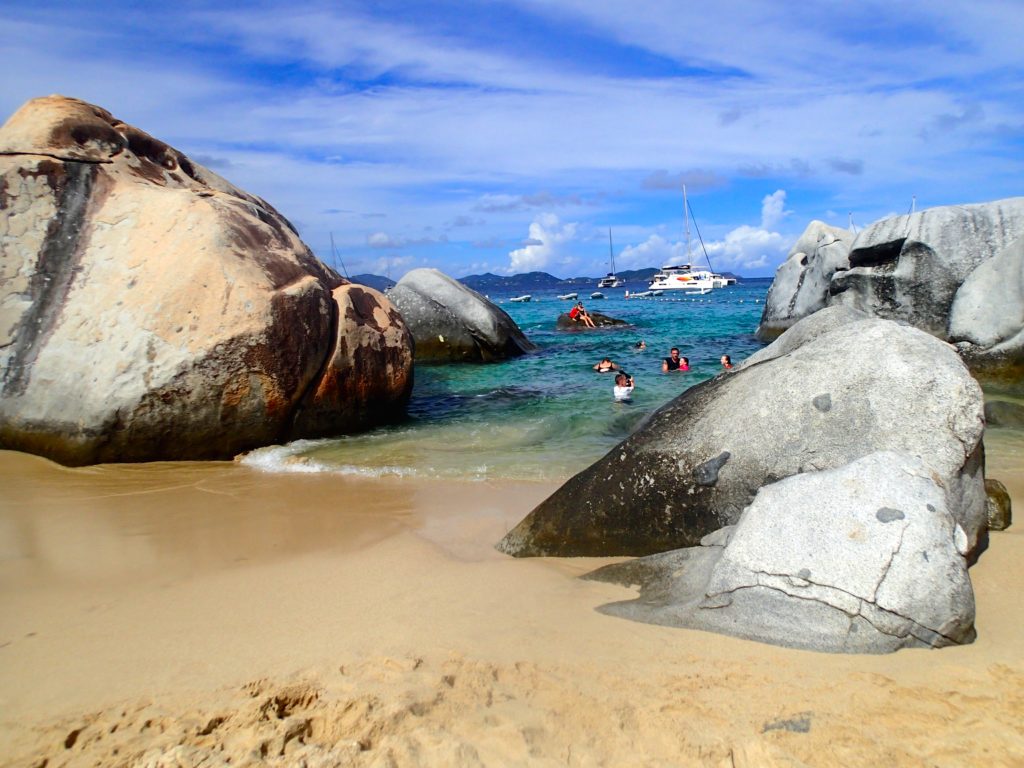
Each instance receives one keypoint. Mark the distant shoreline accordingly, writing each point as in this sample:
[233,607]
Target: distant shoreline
[537,281]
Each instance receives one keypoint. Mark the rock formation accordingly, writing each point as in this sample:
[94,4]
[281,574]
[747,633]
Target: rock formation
[452,323]
[986,320]
[864,558]
[999,509]
[834,388]
[151,310]
[801,282]
[956,272]
[565,323]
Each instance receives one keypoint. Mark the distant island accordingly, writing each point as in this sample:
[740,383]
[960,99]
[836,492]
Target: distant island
[536,281]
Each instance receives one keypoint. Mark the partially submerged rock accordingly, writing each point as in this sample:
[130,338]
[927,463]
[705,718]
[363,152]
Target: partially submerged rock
[566,323]
[864,558]
[453,323]
[850,387]
[149,309]
[998,507]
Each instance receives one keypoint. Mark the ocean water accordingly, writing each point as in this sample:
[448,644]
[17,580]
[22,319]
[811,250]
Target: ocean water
[547,415]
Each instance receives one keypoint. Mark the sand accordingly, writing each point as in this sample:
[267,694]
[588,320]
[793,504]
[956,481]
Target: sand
[208,614]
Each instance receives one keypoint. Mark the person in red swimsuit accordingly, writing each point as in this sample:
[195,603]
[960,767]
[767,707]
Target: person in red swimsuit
[579,315]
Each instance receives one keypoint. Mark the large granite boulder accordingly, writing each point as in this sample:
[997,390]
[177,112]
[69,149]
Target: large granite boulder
[864,558]
[801,282]
[859,386]
[910,267]
[956,272]
[986,320]
[151,310]
[452,323]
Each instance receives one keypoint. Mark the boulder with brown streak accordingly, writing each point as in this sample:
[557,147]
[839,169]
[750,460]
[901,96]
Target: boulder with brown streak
[149,309]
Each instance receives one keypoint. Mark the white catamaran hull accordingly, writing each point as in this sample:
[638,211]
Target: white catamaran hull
[683,278]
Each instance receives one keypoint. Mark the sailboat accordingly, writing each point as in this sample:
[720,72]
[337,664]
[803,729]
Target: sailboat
[610,280]
[683,277]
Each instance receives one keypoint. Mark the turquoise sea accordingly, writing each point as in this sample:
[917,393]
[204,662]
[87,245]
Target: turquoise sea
[547,415]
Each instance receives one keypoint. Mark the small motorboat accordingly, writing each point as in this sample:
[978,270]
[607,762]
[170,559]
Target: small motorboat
[569,296]
[597,295]
[524,297]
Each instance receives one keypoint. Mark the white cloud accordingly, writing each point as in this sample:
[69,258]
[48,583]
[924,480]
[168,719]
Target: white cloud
[744,249]
[656,251]
[546,238]
[773,209]
[384,240]
[748,248]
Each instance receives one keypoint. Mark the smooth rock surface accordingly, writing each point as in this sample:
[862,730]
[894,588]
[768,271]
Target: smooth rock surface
[911,267]
[151,310]
[863,558]
[801,282]
[861,386]
[986,321]
[452,323]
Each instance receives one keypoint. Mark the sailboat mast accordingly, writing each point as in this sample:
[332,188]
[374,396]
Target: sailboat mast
[611,251]
[336,258]
[686,223]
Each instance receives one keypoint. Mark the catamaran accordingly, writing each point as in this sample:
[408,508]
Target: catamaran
[683,277]
[610,280]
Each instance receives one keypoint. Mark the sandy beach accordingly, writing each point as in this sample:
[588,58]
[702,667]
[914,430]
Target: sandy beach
[208,614]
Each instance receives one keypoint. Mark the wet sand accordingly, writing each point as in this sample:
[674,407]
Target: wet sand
[187,614]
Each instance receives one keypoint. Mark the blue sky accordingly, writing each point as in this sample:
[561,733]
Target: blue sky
[511,136]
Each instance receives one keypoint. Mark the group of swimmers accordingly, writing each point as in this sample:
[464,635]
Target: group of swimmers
[624,384]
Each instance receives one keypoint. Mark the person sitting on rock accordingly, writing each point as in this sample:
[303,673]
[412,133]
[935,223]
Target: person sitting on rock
[675,363]
[606,366]
[623,389]
[579,315]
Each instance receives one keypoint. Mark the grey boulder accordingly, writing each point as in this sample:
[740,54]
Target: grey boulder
[910,267]
[860,386]
[864,558]
[986,320]
[801,282]
[452,323]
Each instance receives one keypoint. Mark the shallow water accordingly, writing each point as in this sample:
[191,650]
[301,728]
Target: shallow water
[546,415]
